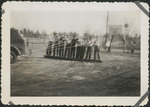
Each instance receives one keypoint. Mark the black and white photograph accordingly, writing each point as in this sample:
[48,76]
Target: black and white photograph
[75,53]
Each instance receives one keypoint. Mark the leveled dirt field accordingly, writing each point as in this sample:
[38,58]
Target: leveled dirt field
[117,75]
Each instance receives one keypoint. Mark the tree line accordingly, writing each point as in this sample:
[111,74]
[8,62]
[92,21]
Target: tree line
[33,34]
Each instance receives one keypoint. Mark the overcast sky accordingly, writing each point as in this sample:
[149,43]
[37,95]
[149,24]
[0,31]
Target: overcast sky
[78,21]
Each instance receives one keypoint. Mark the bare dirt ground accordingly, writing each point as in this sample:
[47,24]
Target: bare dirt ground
[117,75]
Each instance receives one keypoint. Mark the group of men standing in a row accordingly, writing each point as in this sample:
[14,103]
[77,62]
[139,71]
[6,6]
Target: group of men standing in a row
[74,47]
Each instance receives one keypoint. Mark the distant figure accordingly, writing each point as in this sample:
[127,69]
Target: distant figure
[73,43]
[107,45]
[132,47]
[96,48]
[49,49]
[68,47]
[109,48]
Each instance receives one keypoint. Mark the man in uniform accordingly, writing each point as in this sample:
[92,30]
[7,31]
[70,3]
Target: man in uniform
[96,48]
[61,47]
[89,48]
[68,47]
[73,43]
[83,48]
[49,49]
[78,53]
[55,48]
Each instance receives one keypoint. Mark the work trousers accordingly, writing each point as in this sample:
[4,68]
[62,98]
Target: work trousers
[73,51]
[78,53]
[56,50]
[67,51]
[61,51]
[88,53]
[49,51]
[82,52]
[96,52]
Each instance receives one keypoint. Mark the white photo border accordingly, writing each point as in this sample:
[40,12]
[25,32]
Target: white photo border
[70,6]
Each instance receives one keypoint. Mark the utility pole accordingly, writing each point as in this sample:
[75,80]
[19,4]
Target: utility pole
[106,29]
